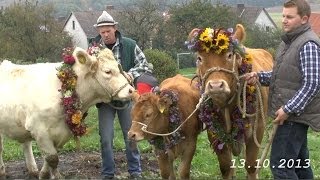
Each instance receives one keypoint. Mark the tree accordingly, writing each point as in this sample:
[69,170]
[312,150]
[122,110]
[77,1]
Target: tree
[259,38]
[140,21]
[29,32]
[185,17]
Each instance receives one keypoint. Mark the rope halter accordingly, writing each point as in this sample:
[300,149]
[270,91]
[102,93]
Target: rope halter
[233,72]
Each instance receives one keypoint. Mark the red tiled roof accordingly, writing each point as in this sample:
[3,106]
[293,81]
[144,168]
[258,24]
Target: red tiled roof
[315,22]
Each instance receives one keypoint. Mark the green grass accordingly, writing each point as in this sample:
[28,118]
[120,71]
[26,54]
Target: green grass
[204,164]
[277,18]
[188,72]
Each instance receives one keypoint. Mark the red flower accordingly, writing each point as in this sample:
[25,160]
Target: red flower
[67,101]
[68,59]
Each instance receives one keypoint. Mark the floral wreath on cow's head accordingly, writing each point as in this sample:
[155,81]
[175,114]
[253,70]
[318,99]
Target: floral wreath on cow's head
[217,40]
[70,98]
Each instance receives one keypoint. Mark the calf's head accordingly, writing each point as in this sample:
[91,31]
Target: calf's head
[150,111]
[101,76]
[219,55]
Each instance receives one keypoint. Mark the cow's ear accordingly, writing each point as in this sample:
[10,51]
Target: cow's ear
[135,96]
[240,33]
[84,58]
[193,33]
[81,55]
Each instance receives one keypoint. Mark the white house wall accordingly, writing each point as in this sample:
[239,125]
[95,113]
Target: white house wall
[79,38]
[264,21]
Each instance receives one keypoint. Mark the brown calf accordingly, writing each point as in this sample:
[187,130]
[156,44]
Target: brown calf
[162,114]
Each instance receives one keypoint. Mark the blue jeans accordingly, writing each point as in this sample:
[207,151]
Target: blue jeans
[106,115]
[289,157]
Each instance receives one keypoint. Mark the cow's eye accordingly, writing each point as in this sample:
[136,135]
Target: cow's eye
[229,56]
[147,115]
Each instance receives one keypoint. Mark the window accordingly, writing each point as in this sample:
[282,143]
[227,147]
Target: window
[268,28]
[73,25]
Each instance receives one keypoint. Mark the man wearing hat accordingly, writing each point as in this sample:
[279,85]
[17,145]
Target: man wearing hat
[133,61]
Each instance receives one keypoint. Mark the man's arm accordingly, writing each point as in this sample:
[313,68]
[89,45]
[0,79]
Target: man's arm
[141,64]
[310,67]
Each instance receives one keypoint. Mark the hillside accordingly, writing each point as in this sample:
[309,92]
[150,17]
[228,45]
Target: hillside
[67,5]
[64,7]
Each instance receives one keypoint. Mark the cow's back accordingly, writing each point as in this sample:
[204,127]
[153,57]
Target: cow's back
[188,99]
[262,61]
[28,92]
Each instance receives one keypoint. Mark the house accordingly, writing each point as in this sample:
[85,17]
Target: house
[79,25]
[254,16]
[315,22]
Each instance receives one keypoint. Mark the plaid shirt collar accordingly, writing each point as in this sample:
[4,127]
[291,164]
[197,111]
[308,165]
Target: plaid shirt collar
[115,49]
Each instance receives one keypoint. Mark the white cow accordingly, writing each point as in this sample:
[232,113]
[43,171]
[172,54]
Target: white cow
[30,103]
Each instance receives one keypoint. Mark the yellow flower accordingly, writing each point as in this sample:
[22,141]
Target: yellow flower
[206,46]
[251,89]
[206,36]
[222,42]
[73,81]
[62,74]
[76,118]
[247,125]
[211,134]
[249,58]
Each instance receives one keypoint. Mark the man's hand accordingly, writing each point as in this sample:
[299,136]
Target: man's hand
[251,78]
[281,116]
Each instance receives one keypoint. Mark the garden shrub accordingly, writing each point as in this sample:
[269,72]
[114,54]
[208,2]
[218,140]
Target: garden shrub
[164,66]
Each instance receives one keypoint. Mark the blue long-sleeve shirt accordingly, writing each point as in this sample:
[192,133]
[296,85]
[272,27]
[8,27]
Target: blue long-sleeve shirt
[310,68]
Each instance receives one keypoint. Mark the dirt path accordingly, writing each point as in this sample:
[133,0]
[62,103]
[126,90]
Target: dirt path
[85,165]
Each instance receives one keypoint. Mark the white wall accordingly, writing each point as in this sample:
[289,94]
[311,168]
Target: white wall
[79,38]
[264,21]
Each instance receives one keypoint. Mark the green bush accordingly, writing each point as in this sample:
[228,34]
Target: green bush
[164,66]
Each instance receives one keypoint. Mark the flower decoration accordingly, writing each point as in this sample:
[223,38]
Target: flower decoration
[211,115]
[210,39]
[70,99]
[174,122]
[94,49]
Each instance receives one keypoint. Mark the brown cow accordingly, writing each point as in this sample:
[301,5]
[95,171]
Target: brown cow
[159,113]
[221,60]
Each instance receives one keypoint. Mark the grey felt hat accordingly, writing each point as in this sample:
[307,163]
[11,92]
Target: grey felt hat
[105,20]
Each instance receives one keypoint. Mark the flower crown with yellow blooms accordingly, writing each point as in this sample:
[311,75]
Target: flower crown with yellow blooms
[217,40]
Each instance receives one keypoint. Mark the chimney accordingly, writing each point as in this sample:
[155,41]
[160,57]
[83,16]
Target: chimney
[109,7]
[240,7]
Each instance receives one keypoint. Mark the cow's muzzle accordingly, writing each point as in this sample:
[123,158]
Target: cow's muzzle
[135,136]
[217,87]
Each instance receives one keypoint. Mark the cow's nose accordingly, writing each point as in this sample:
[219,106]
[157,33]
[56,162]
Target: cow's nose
[218,86]
[213,85]
[131,135]
[131,90]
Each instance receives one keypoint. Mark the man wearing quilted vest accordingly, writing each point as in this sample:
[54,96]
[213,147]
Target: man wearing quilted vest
[133,62]
[294,98]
